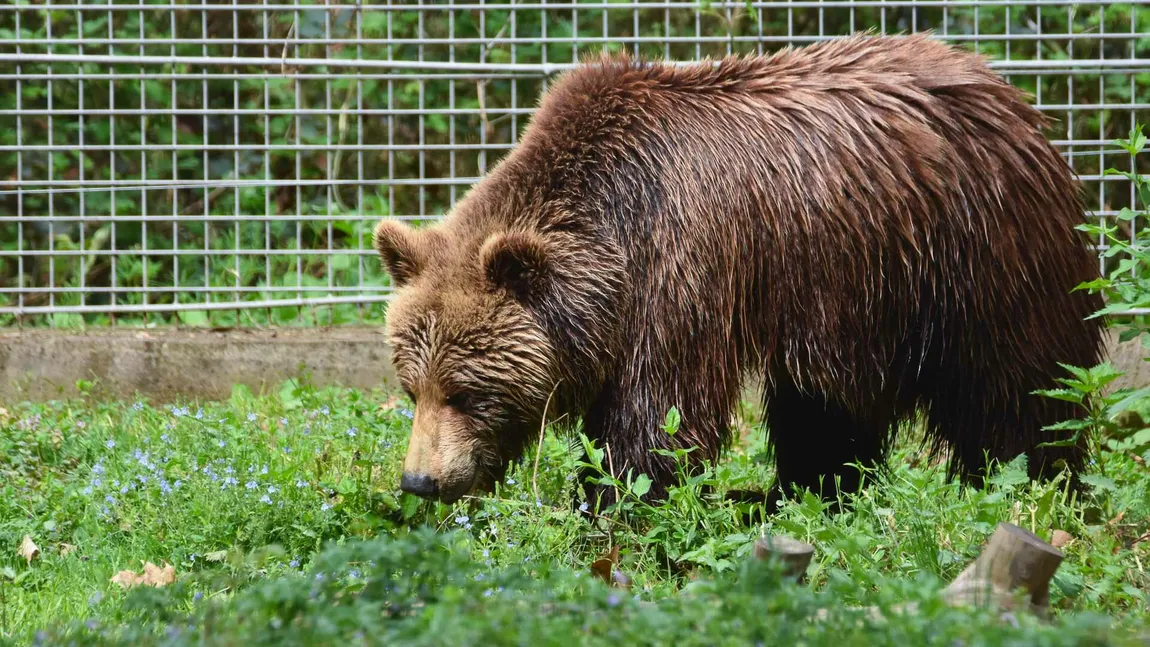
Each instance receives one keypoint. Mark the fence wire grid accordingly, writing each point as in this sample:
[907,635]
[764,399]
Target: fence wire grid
[224,163]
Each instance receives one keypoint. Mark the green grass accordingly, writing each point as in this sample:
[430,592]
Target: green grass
[250,498]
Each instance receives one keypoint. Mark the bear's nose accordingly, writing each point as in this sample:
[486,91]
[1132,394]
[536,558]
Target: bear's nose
[419,485]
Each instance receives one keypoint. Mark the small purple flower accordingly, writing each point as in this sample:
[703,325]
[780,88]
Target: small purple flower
[221,443]
[324,410]
[98,468]
[299,483]
[351,432]
[200,414]
[251,417]
[164,437]
[177,484]
[197,596]
[110,444]
[511,481]
[406,413]
[266,499]
[294,563]
[325,506]
[164,487]
[81,424]
[111,500]
[273,489]
[251,485]
[354,574]
[613,600]
[264,469]
[87,491]
[307,429]
[283,421]
[139,406]
[583,507]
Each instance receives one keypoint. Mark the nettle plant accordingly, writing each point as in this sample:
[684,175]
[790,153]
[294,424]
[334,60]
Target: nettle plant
[693,527]
[1117,420]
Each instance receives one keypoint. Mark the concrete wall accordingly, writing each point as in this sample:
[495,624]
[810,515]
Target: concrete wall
[166,365]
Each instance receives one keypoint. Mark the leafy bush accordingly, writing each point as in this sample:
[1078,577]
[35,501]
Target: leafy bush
[425,589]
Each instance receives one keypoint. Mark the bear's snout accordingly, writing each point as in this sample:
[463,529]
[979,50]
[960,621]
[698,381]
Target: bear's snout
[422,485]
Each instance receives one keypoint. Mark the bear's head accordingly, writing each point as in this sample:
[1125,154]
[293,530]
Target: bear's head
[468,349]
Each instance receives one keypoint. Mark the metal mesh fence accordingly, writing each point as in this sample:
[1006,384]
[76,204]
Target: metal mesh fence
[224,163]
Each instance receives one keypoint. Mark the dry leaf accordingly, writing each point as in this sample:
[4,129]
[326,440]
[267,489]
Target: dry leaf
[126,579]
[3,414]
[152,576]
[28,549]
[66,549]
[156,576]
[1060,538]
[603,566]
[604,569]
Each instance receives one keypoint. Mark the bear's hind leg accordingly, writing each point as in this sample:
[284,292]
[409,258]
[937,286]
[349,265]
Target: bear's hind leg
[815,441]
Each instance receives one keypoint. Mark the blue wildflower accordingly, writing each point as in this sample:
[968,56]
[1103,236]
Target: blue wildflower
[197,596]
[406,413]
[251,485]
[324,410]
[325,506]
[294,563]
[351,432]
[200,414]
[300,483]
[110,444]
[251,417]
[139,406]
[221,443]
[266,499]
[613,600]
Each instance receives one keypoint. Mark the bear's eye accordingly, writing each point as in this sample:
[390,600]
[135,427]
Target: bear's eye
[461,402]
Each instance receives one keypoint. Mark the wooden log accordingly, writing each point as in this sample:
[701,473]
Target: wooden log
[794,555]
[1013,559]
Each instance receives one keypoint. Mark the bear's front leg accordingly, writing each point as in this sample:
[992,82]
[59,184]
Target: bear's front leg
[629,429]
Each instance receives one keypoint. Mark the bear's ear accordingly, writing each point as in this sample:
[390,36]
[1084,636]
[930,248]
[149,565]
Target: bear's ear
[399,249]
[516,261]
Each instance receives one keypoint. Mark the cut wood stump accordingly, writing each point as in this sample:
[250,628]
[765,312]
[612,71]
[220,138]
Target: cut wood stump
[1013,559]
[794,555]
[1012,573]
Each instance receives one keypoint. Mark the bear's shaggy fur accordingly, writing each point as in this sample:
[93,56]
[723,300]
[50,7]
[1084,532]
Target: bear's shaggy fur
[874,225]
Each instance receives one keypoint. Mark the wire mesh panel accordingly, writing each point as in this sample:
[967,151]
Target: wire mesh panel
[224,164]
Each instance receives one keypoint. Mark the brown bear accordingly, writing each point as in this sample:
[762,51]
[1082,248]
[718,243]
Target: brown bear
[875,226]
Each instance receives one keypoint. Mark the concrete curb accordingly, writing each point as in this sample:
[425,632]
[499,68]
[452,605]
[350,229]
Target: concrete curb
[166,365]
